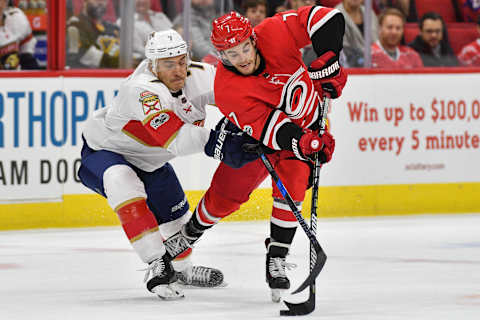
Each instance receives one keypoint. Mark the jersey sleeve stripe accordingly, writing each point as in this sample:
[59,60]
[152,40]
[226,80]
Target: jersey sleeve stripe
[318,18]
[271,127]
[157,130]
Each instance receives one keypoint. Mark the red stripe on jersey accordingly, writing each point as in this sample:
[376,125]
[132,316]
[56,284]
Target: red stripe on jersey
[136,218]
[275,121]
[157,130]
[283,215]
[30,36]
[202,216]
[184,254]
[318,17]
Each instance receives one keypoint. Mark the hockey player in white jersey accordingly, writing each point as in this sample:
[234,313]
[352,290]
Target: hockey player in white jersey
[17,43]
[157,115]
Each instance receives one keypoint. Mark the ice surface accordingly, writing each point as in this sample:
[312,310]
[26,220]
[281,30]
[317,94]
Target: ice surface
[417,267]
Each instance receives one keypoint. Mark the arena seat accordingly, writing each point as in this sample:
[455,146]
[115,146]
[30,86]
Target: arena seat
[410,31]
[461,34]
[443,7]
[330,3]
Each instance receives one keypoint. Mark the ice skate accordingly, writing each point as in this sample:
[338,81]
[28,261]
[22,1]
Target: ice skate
[200,276]
[162,280]
[275,270]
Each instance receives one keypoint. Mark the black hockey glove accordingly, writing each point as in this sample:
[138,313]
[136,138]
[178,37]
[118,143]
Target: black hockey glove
[227,146]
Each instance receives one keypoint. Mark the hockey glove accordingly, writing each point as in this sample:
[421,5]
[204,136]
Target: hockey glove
[227,147]
[310,143]
[328,75]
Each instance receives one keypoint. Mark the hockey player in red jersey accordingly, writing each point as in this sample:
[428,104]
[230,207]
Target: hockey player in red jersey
[263,87]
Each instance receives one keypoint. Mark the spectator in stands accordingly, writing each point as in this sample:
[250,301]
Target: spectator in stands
[17,43]
[202,14]
[295,4]
[146,22]
[255,11]
[470,10]
[91,41]
[387,51]
[432,42]
[281,7]
[402,5]
[275,6]
[354,40]
[470,54]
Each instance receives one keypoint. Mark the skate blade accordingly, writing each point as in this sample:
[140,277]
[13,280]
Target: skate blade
[277,294]
[168,292]
[192,286]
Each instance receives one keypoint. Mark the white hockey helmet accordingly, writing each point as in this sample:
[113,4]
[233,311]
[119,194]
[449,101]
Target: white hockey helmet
[165,44]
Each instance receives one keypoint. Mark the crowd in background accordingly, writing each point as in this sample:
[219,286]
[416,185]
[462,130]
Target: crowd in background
[404,33]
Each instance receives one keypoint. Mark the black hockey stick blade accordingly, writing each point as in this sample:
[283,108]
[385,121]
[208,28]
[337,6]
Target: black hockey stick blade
[303,308]
[321,259]
[298,309]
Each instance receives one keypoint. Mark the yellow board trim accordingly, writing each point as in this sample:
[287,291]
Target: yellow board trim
[88,210]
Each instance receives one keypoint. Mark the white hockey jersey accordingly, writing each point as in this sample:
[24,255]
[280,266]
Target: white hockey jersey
[148,124]
[15,37]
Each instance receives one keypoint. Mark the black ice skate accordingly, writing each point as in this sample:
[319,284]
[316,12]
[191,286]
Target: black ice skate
[182,240]
[162,280]
[200,276]
[275,268]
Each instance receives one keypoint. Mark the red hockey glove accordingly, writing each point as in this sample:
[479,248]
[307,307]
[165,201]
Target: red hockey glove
[328,75]
[310,143]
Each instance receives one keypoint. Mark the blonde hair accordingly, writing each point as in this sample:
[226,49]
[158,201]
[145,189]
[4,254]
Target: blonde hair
[391,12]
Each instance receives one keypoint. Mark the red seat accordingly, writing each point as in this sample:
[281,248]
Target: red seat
[330,3]
[410,31]
[461,34]
[443,7]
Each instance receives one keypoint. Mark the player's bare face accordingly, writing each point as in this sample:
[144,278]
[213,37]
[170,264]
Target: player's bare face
[173,72]
[432,32]
[391,32]
[243,57]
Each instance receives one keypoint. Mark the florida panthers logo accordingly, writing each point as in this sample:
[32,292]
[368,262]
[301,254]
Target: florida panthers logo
[298,96]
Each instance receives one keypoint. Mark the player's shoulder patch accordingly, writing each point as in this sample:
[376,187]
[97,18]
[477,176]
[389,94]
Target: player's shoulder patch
[150,102]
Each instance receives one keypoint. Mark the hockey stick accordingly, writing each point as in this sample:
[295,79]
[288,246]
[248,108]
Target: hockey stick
[309,305]
[317,255]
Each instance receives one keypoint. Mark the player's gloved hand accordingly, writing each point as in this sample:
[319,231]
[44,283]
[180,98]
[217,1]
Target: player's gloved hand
[310,143]
[328,75]
[227,147]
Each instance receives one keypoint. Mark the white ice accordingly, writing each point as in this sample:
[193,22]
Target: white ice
[417,267]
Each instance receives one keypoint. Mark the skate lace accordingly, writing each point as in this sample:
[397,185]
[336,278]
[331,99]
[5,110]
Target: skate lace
[156,268]
[278,265]
[200,274]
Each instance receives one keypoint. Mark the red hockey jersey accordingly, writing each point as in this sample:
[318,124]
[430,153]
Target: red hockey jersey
[407,58]
[470,54]
[280,90]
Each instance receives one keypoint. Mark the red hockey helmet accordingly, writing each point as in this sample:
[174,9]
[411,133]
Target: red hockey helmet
[229,30]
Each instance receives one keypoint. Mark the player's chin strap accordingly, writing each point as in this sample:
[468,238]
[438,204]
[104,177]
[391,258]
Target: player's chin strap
[317,255]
